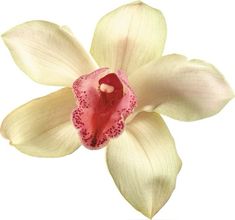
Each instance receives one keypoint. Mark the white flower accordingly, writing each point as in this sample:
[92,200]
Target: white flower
[129,40]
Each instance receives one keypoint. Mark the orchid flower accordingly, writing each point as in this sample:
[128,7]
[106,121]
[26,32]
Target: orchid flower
[113,98]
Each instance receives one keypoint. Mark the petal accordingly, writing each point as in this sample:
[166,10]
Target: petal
[180,88]
[129,37]
[43,126]
[144,163]
[104,101]
[48,53]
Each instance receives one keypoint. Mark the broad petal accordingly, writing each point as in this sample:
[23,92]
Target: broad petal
[43,127]
[180,88]
[144,163]
[47,53]
[129,37]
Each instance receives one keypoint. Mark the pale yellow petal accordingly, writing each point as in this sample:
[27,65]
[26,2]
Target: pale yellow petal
[180,88]
[43,126]
[129,37]
[47,53]
[144,163]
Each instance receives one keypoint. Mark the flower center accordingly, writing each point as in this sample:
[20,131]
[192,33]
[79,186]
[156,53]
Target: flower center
[106,88]
[104,101]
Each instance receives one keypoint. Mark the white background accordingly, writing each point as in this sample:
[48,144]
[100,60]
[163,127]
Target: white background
[79,186]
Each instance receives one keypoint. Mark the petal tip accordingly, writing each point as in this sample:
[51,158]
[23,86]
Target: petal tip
[138,2]
[4,37]
[2,132]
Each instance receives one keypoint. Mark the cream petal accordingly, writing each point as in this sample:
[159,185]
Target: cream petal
[47,53]
[129,37]
[180,88]
[43,127]
[144,163]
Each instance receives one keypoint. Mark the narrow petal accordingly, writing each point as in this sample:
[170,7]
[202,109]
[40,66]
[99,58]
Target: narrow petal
[180,88]
[47,53]
[129,37]
[43,127]
[144,163]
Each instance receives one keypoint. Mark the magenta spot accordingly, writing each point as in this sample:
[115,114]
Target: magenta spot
[100,115]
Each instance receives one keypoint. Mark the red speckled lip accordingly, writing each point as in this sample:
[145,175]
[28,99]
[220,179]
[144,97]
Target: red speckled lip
[100,115]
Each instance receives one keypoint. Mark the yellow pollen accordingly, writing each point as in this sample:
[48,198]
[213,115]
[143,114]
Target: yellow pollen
[106,88]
